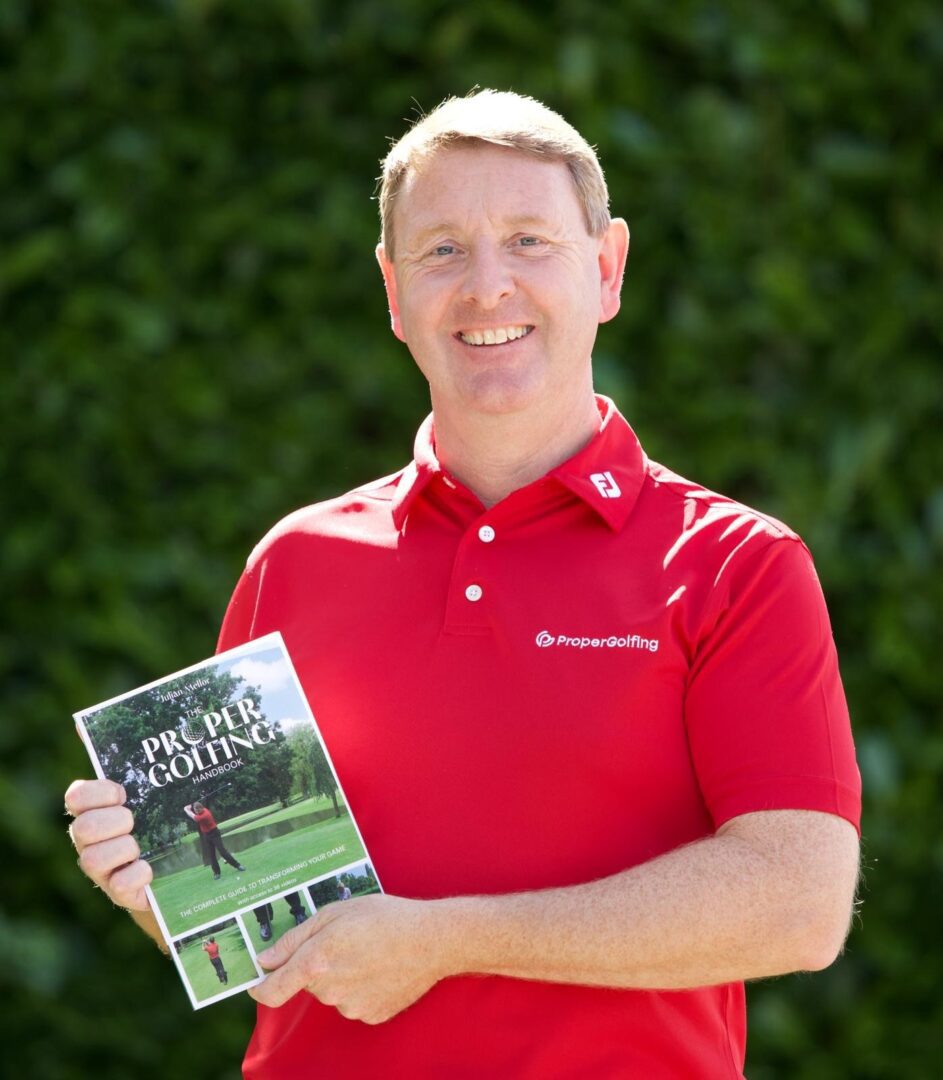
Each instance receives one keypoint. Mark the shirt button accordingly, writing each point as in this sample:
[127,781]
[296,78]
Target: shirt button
[473,593]
[486,533]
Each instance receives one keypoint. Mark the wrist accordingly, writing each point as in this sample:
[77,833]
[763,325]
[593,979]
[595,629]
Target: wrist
[457,936]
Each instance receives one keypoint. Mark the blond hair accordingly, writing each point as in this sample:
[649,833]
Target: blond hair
[501,118]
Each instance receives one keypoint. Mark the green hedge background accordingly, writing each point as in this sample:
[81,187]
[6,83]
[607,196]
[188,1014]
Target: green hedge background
[193,341]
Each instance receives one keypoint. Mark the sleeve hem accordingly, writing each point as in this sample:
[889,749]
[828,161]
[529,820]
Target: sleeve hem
[794,793]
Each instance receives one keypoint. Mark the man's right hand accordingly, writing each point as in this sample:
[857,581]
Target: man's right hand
[108,853]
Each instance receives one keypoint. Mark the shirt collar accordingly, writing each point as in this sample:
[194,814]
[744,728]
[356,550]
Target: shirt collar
[416,476]
[607,474]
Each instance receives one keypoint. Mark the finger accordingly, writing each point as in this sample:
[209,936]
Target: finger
[276,989]
[95,826]
[302,971]
[288,944]
[99,861]
[126,885]
[376,1018]
[85,795]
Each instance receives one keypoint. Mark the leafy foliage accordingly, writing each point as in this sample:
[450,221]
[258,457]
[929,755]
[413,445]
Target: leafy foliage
[194,342]
[119,733]
[309,767]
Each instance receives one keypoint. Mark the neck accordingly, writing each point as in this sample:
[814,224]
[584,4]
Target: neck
[493,455]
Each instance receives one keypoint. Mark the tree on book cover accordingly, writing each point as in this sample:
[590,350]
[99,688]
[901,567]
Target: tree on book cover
[310,770]
[188,739]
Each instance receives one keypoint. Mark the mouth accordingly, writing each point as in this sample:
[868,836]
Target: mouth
[498,335]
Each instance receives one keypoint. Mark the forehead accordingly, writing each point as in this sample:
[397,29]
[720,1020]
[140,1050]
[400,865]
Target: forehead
[462,185]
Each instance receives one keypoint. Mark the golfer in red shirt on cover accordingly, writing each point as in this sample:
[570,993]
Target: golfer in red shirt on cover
[588,712]
[212,951]
[211,839]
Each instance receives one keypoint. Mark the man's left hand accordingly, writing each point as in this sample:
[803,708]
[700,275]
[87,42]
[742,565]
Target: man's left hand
[370,957]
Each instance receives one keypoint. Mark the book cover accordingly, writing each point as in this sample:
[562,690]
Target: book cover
[237,809]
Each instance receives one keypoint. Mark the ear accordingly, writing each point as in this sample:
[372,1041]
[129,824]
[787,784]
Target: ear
[389,280]
[613,252]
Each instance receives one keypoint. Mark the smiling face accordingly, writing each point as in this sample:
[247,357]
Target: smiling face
[497,286]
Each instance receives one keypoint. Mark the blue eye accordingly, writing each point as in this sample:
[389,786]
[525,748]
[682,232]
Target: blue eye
[443,249]
[528,241]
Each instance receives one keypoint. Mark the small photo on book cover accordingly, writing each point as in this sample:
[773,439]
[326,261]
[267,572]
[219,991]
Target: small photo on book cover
[236,803]
[215,963]
[357,880]
[267,922]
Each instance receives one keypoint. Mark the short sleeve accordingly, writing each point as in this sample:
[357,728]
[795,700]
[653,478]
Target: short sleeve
[765,711]
[240,614]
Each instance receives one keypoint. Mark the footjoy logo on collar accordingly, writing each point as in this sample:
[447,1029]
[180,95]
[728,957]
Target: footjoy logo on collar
[545,640]
[606,485]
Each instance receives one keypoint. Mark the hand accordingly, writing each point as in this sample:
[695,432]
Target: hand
[371,957]
[101,833]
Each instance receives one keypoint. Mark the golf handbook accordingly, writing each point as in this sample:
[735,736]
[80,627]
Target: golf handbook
[237,808]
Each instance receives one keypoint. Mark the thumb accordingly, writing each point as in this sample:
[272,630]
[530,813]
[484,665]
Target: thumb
[282,951]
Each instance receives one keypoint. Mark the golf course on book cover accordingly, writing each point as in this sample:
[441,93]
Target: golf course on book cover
[280,849]
[200,971]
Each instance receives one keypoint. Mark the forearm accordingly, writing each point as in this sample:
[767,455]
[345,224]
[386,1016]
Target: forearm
[770,893]
[146,921]
[718,910]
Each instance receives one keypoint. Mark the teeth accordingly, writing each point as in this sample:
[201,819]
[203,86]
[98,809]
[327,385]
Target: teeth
[494,337]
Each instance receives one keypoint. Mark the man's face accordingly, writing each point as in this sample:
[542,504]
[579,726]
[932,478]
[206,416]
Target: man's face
[497,286]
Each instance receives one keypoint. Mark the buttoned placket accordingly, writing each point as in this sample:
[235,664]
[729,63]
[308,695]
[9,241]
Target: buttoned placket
[468,610]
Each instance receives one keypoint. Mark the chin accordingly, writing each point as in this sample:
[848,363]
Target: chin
[499,395]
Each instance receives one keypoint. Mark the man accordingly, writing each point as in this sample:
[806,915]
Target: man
[211,839]
[343,893]
[212,951]
[588,713]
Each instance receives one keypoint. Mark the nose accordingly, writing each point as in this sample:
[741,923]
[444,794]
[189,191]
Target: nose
[488,278]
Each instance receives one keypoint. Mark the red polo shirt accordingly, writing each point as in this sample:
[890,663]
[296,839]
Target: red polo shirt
[609,663]
[205,821]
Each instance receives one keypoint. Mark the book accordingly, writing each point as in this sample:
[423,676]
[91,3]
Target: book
[237,808]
